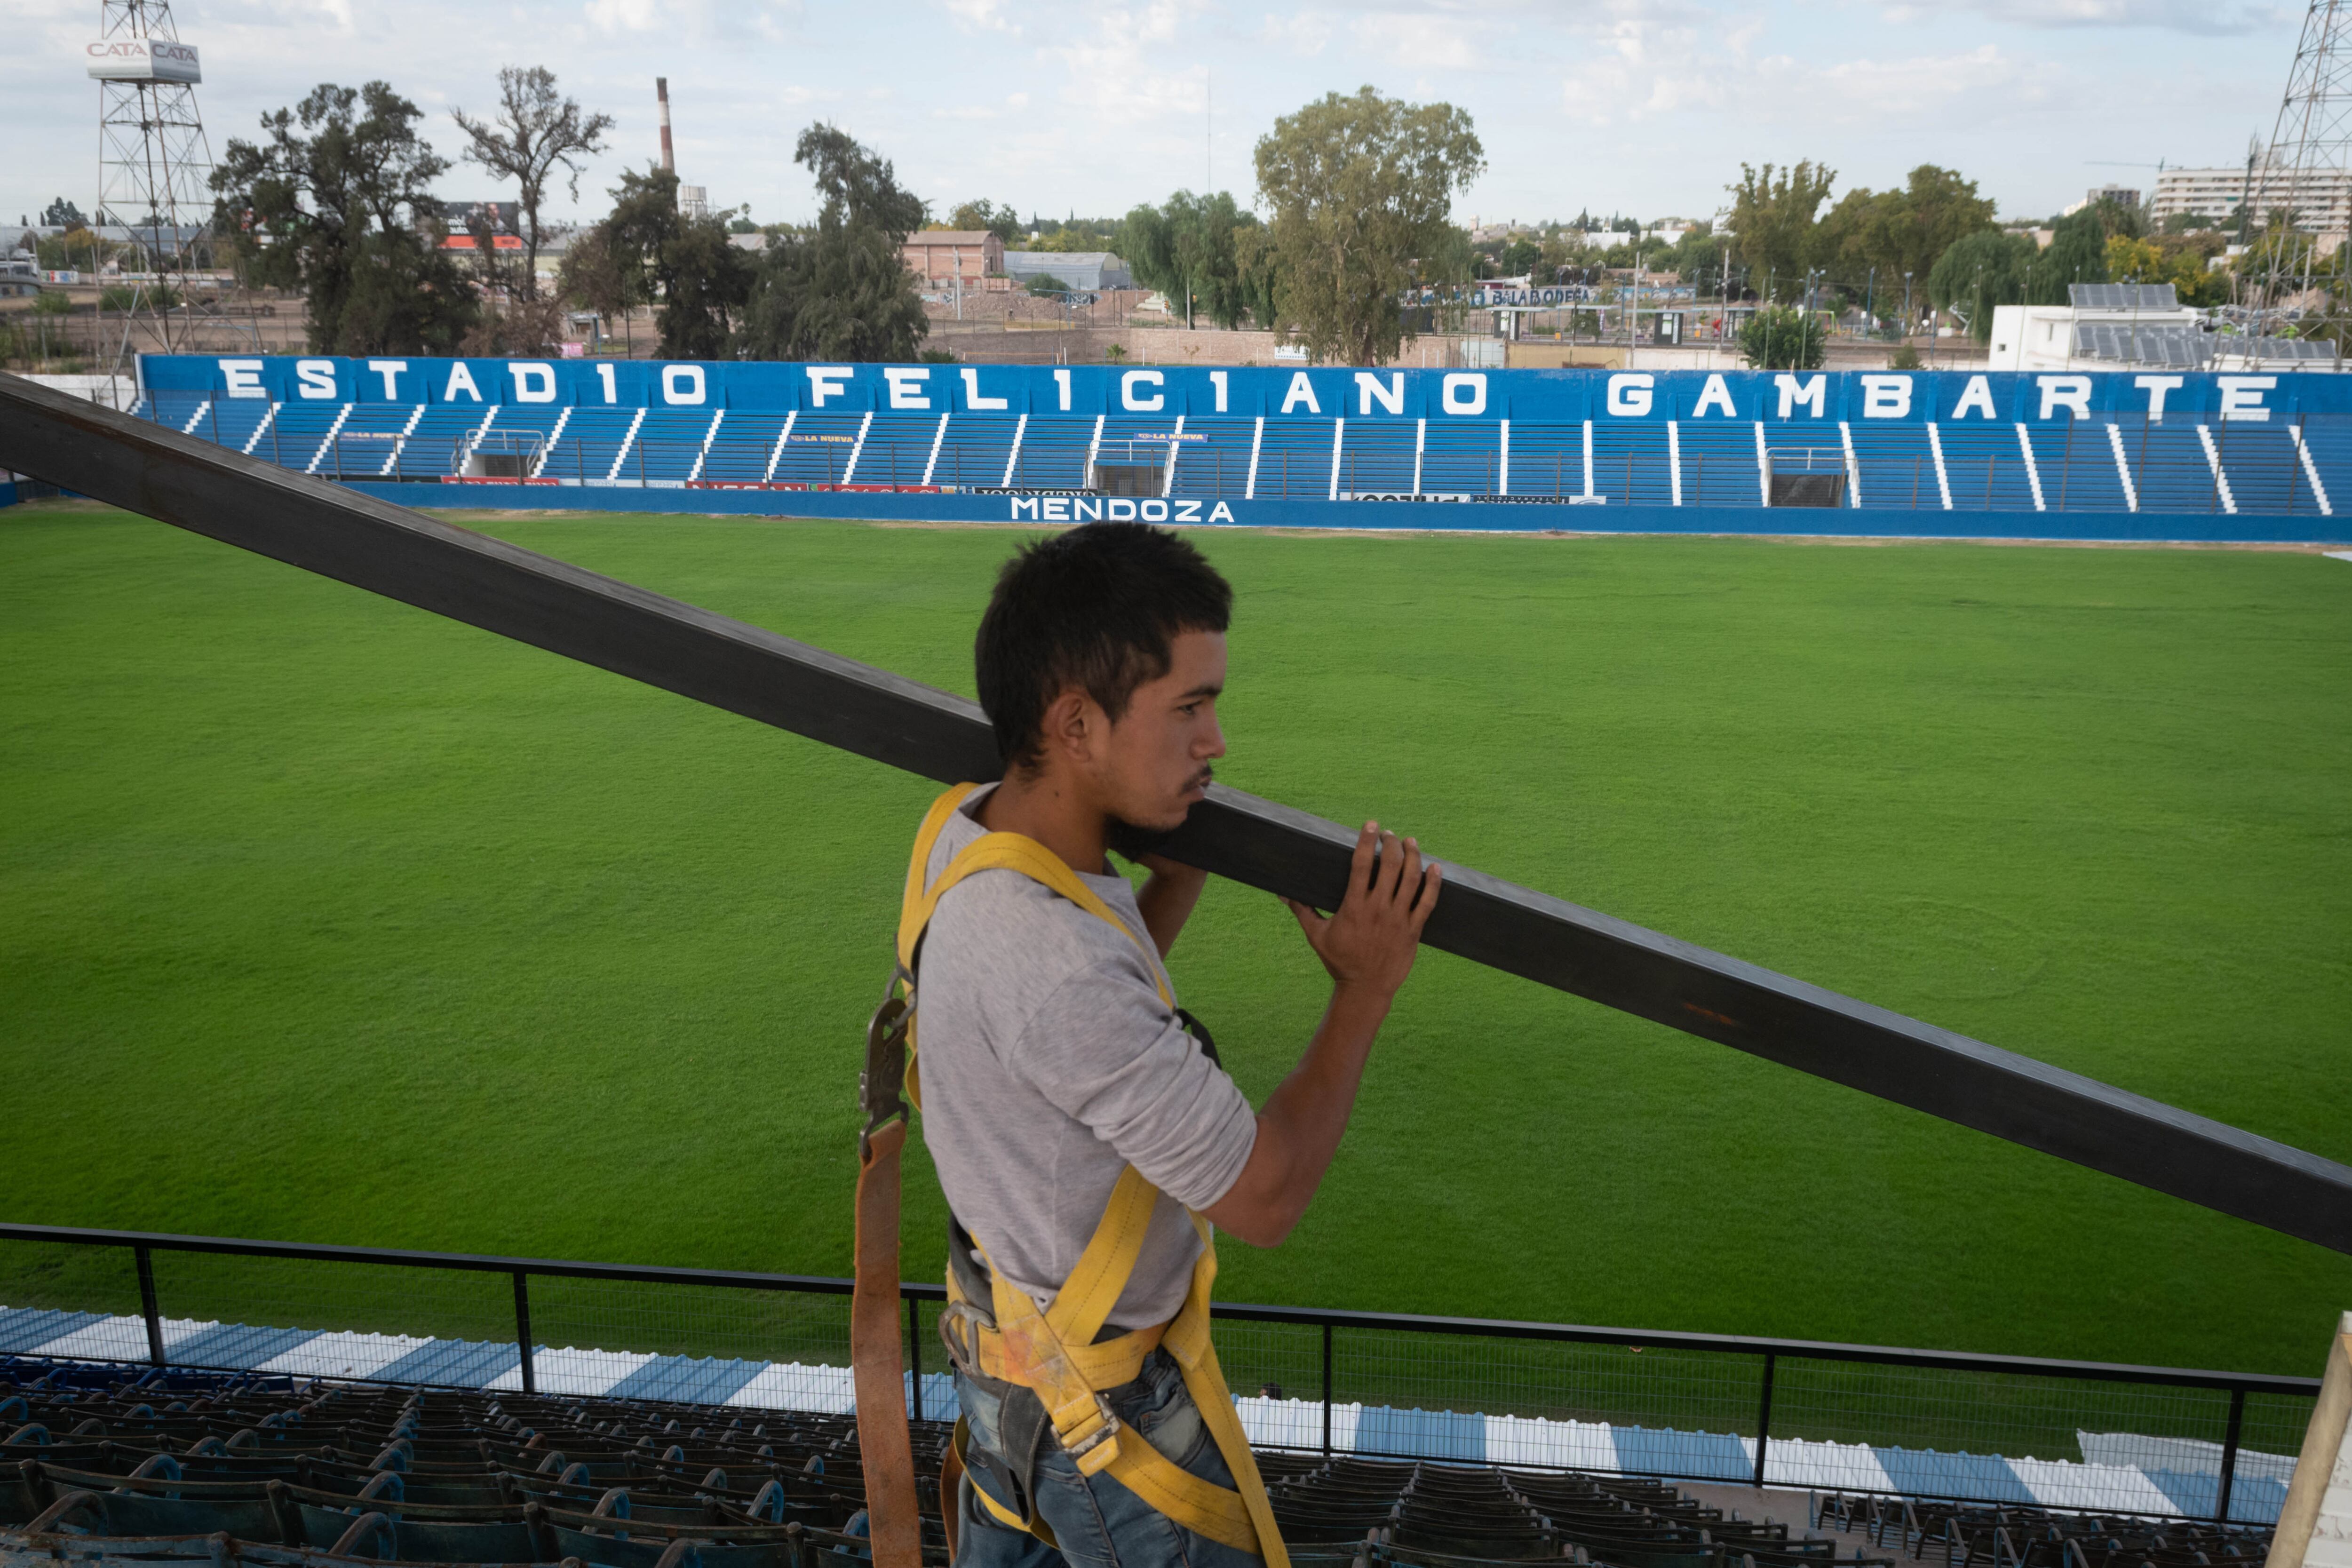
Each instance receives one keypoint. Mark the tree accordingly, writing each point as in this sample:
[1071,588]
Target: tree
[532,134]
[1772,222]
[1979,272]
[62,214]
[1361,189]
[841,290]
[2077,254]
[646,250]
[1900,231]
[1780,338]
[974,216]
[1043,283]
[1186,250]
[337,202]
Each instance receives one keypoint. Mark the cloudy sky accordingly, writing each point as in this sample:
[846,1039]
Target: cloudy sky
[1643,106]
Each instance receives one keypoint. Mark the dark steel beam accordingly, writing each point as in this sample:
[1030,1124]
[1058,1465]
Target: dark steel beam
[406,555]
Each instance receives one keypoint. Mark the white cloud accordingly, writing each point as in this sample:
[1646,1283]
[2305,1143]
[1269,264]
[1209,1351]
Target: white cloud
[2192,16]
[1300,33]
[1419,38]
[980,16]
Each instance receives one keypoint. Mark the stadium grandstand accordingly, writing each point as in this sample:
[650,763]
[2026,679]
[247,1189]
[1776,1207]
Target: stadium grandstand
[197,1399]
[220,1468]
[2071,454]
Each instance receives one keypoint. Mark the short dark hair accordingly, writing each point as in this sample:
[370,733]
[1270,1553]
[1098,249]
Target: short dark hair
[1099,607]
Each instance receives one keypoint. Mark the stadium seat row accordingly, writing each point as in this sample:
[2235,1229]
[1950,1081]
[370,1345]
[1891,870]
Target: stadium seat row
[173,1467]
[2155,464]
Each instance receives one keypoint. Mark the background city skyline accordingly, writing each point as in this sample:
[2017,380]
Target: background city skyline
[1645,106]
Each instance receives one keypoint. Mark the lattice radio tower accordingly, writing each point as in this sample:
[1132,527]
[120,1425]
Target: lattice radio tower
[155,164]
[2308,166]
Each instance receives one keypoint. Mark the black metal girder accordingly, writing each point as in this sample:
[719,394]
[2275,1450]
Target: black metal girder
[483,582]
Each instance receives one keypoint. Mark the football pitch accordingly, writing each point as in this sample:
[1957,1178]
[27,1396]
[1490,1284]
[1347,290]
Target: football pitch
[326,920]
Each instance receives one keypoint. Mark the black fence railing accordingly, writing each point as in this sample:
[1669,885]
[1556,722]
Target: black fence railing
[1690,1406]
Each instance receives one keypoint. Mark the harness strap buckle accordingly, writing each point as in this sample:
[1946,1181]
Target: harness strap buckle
[1089,1432]
[881,1085]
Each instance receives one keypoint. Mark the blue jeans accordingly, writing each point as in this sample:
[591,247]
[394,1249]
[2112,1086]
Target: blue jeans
[1100,1522]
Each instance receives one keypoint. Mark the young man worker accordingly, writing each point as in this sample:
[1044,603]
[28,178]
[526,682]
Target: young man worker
[1075,1114]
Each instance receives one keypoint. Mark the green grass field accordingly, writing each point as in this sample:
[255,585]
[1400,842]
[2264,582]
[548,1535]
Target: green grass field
[329,920]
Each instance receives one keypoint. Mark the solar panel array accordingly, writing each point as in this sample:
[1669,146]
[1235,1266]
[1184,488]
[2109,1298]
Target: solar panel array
[2122,297]
[2183,346]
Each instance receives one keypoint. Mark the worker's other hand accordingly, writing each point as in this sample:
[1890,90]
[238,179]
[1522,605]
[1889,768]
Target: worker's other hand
[1371,942]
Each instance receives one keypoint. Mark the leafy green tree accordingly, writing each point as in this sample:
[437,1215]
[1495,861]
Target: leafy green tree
[1045,283]
[1780,338]
[2077,254]
[841,290]
[1000,221]
[1900,231]
[336,201]
[1772,222]
[1186,250]
[1979,272]
[62,214]
[645,251]
[1361,188]
[533,133]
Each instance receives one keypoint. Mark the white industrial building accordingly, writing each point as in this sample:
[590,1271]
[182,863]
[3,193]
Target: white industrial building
[2135,326]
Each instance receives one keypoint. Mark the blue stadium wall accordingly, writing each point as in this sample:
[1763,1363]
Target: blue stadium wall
[2081,455]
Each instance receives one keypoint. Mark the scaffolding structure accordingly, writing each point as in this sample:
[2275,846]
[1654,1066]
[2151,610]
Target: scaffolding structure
[154,163]
[2310,151]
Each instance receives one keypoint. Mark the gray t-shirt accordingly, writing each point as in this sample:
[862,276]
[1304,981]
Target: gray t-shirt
[1049,1064]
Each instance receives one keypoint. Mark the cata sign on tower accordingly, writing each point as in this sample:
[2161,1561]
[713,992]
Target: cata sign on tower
[142,60]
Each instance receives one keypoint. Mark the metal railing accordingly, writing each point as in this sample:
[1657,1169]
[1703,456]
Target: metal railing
[1696,1406]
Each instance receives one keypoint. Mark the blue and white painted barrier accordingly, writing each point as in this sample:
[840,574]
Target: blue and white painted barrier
[2119,1473]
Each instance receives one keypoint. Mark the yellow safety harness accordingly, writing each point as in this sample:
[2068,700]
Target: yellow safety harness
[1055,1353]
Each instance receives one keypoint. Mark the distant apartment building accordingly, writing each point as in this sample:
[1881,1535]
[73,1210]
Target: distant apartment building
[2321,198]
[2122,195]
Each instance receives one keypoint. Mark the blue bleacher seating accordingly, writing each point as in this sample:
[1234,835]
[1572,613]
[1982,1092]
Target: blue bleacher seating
[976,451]
[743,447]
[2168,465]
[1463,458]
[2077,461]
[1054,452]
[818,449]
[1629,464]
[1295,459]
[1988,465]
[2264,468]
[1719,463]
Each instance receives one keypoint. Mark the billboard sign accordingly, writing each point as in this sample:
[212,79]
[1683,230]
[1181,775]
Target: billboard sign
[142,60]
